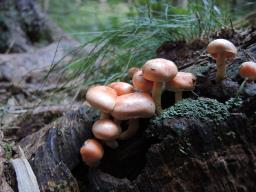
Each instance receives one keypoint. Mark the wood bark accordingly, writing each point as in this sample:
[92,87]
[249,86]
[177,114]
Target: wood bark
[23,25]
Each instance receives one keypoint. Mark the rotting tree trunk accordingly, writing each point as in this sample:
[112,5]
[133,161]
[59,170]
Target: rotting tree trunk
[22,25]
[175,153]
[54,150]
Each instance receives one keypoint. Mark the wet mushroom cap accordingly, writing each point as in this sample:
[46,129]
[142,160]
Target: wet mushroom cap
[140,83]
[134,105]
[222,46]
[182,82]
[106,130]
[91,152]
[248,70]
[159,70]
[102,98]
[121,88]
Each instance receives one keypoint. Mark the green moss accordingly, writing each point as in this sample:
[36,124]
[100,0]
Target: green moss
[234,102]
[7,150]
[201,109]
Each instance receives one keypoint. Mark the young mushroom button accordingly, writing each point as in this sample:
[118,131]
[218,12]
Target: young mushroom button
[248,70]
[92,152]
[159,71]
[131,107]
[108,131]
[132,70]
[181,82]
[220,50]
[140,83]
[102,98]
[121,88]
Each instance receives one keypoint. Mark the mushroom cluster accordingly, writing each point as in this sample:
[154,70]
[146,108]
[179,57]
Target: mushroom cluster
[117,101]
[159,74]
[121,101]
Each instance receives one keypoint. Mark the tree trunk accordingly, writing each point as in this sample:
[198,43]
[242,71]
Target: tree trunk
[23,26]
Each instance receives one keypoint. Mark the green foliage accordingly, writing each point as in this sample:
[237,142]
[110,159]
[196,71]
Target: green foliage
[201,109]
[137,38]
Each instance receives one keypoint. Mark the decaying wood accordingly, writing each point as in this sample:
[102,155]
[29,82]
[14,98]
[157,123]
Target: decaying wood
[54,150]
[33,66]
[176,154]
[25,176]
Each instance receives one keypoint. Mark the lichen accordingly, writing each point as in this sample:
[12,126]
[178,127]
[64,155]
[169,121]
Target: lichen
[234,102]
[201,109]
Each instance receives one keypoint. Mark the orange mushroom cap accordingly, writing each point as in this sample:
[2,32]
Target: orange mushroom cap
[102,98]
[92,152]
[248,70]
[106,130]
[132,70]
[140,83]
[218,46]
[134,105]
[159,70]
[121,88]
[182,82]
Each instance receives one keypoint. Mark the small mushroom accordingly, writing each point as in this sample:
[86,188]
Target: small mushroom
[248,71]
[108,131]
[121,88]
[132,70]
[159,71]
[131,107]
[181,82]
[102,98]
[92,152]
[220,50]
[140,83]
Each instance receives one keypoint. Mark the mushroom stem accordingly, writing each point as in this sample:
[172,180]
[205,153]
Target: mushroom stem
[104,115]
[221,68]
[131,131]
[241,87]
[156,95]
[178,96]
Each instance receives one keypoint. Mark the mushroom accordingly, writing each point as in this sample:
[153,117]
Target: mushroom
[181,82]
[132,70]
[108,131]
[92,152]
[220,50]
[248,71]
[131,107]
[159,71]
[102,98]
[140,83]
[121,88]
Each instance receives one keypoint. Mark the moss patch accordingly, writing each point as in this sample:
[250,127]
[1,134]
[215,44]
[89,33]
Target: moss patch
[201,109]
